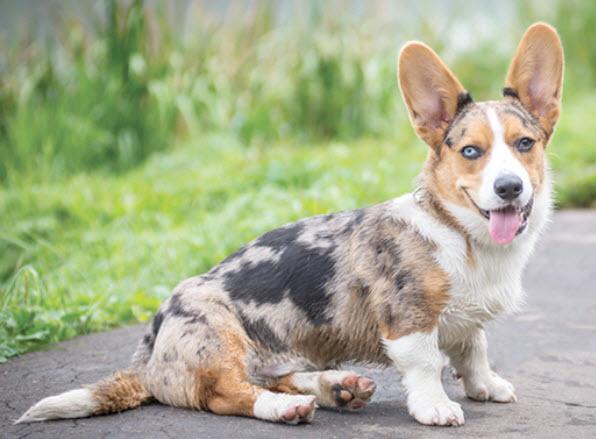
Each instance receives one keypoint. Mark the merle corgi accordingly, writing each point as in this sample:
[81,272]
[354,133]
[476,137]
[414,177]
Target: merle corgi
[403,283]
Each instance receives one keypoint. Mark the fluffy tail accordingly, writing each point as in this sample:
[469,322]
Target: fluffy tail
[121,391]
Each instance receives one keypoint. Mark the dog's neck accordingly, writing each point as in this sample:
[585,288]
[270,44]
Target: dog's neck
[435,207]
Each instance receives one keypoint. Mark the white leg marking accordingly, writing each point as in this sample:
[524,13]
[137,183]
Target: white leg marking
[282,407]
[77,403]
[308,382]
[480,382]
[418,358]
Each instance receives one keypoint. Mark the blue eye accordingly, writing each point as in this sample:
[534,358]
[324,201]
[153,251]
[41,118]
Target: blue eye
[524,144]
[471,152]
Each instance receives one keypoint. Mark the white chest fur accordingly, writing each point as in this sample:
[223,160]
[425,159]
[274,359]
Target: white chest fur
[488,287]
[482,291]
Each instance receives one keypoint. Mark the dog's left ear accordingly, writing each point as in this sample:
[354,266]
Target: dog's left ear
[430,90]
[536,74]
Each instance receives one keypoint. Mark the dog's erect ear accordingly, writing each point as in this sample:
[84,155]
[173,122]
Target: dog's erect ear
[431,92]
[536,74]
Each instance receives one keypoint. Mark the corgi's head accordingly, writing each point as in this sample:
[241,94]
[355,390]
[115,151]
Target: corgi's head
[487,161]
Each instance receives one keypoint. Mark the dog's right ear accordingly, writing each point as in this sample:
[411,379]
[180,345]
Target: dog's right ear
[430,90]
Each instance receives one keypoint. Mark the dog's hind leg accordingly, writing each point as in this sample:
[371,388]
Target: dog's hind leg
[333,388]
[225,389]
[233,395]
[201,363]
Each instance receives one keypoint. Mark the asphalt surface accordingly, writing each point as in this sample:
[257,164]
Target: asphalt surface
[548,352]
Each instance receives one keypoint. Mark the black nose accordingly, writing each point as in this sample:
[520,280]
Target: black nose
[509,187]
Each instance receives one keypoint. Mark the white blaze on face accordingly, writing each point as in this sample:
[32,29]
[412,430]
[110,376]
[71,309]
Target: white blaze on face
[501,162]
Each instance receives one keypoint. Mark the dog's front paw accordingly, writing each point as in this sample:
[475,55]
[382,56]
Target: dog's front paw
[299,409]
[439,412]
[492,388]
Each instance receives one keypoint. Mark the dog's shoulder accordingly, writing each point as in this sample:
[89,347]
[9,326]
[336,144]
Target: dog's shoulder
[483,281]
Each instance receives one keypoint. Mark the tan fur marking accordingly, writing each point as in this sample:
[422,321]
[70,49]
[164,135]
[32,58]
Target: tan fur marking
[284,384]
[224,388]
[233,396]
[532,160]
[436,208]
[206,380]
[448,173]
[436,287]
[121,391]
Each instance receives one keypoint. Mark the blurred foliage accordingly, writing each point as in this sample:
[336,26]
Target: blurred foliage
[97,112]
[130,85]
[132,156]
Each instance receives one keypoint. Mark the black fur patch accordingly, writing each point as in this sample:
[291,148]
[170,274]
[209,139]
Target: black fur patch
[449,142]
[518,110]
[157,321]
[199,317]
[508,91]
[402,279]
[149,341]
[260,332]
[463,100]
[301,271]
[177,309]
[356,220]
[280,238]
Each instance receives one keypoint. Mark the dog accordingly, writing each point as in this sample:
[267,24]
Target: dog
[403,283]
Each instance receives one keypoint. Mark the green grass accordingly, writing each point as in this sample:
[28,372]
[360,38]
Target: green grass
[131,158]
[97,251]
[573,154]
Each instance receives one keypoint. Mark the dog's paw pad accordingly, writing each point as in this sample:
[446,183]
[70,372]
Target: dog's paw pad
[352,391]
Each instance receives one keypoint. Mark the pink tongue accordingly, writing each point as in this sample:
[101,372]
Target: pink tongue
[503,225]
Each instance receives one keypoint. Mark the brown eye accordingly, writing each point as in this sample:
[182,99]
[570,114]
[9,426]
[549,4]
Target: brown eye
[471,152]
[524,144]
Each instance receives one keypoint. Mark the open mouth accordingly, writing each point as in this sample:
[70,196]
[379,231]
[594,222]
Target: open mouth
[506,222]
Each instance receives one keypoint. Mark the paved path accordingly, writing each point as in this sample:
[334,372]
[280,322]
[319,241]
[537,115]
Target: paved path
[548,352]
